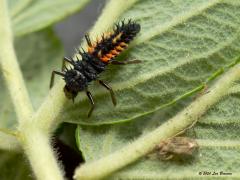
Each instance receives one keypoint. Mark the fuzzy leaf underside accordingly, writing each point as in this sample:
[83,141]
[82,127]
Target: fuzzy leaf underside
[30,16]
[183,55]
[218,139]
[181,45]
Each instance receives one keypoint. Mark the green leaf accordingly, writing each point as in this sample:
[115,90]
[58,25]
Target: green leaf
[181,45]
[14,166]
[218,141]
[16,6]
[38,54]
[42,13]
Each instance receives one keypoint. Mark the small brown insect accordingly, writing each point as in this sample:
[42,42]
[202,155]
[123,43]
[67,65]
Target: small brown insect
[176,146]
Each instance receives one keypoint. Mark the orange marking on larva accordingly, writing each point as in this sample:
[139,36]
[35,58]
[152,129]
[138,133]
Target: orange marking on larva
[106,34]
[123,44]
[109,55]
[94,45]
[90,50]
[117,38]
[114,52]
[119,48]
[105,59]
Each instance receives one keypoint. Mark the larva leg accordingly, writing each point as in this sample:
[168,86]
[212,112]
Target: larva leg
[89,95]
[114,101]
[53,75]
[65,59]
[88,40]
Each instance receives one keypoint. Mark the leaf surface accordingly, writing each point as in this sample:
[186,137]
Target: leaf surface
[42,13]
[16,6]
[218,141]
[181,45]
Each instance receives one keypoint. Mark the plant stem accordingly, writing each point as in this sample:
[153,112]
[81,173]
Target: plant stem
[34,141]
[130,153]
[38,149]
[46,115]
[10,68]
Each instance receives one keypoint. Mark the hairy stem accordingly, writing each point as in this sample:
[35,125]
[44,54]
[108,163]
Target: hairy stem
[38,149]
[50,108]
[10,68]
[35,142]
[130,153]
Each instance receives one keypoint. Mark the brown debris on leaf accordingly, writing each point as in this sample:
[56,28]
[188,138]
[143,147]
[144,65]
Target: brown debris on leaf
[176,147]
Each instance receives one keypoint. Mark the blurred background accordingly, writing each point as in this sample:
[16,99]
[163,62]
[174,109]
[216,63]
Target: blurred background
[72,30]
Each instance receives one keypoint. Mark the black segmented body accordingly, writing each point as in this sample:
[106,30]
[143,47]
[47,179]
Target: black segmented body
[87,69]
[95,60]
[83,72]
[129,31]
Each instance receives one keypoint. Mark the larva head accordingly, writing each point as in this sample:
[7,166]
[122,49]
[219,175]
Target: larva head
[69,93]
[75,82]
